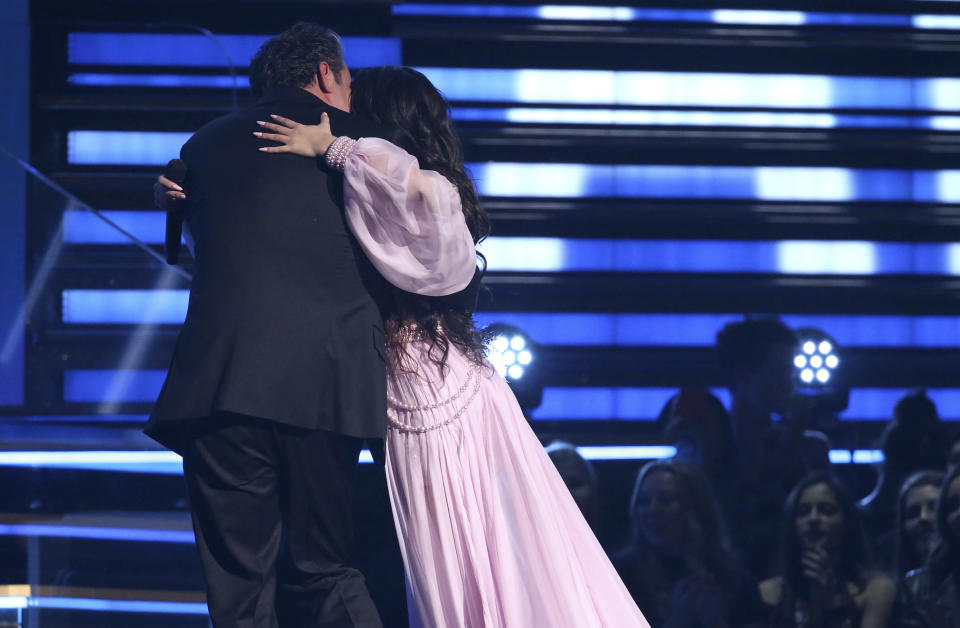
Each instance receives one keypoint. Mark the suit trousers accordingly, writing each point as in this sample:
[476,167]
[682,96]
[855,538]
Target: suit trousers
[272,509]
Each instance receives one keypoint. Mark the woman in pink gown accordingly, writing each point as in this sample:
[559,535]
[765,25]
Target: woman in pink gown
[490,535]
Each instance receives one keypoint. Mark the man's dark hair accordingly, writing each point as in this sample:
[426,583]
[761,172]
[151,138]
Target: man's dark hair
[291,58]
[746,344]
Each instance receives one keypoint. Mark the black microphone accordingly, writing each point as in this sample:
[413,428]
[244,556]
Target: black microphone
[176,171]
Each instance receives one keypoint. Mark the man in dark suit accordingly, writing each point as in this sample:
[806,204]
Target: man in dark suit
[279,371]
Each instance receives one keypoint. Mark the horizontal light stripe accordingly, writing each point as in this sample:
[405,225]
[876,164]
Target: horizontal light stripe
[195,50]
[108,386]
[588,403]
[83,227]
[867,456]
[155,462]
[645,404]
[125,306]
[877,403]
[700,330]
[592,452]
[564,328]
[771,18]
[841,456]
[42,458]
[102,533]
[567,180]
[85,418]
[634,452]
[706,256]
[720,16]
[13,601]
[639,117]
[107,79]
[116,606]
[130,148]
[143,148]
[606,87]
[693,89]
[938,22]
[160,462]
[555,254]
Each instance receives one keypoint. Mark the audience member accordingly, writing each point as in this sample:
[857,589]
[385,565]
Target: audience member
[932,592]
[917,521]
[757,356]
[697,424]
[915,439]
[679,566]
[825,574]
[580,478]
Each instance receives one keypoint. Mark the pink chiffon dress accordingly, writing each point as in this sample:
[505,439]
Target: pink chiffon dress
[489,533]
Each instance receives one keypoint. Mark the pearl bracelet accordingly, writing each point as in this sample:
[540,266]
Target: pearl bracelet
[338,151]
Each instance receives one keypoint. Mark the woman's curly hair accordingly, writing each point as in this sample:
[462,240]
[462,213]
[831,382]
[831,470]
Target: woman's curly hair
[405,99]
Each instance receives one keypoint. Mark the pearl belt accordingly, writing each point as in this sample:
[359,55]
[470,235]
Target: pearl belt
[395,404]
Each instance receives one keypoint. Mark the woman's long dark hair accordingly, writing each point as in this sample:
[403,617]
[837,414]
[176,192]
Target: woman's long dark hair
[906,558]
[854,563]
[405,99]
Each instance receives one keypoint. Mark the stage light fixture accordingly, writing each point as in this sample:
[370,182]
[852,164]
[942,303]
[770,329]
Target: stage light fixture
[509,351]
[513,355]
[819,372]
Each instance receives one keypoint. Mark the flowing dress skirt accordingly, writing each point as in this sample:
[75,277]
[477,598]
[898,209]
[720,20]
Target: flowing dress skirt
[490,535]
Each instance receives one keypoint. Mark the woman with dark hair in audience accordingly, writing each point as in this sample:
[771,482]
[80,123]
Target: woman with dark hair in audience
[933,591]
[825,575]
[916,535]
[679,565]
[917,520]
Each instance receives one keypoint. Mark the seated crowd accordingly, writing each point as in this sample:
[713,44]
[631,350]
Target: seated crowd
[747,525]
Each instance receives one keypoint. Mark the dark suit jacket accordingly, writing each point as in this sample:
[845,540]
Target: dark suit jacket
[284,321]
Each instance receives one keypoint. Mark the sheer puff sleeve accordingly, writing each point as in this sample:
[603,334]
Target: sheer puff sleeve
[408,221]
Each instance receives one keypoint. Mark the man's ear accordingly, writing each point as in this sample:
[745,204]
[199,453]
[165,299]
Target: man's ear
[325,77]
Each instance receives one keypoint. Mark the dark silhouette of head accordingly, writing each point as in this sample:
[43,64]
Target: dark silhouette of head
[697,415]
[292,57]
[756,355]
[916,438]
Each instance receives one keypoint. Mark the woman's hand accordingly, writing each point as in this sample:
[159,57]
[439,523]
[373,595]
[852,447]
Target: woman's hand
[166,193]
[816,566]
[300,139]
